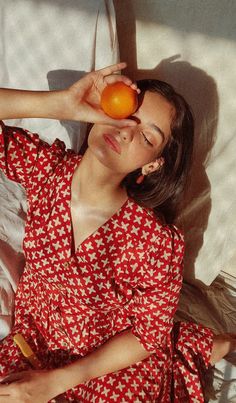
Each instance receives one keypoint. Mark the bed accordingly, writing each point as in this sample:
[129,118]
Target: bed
[69,38]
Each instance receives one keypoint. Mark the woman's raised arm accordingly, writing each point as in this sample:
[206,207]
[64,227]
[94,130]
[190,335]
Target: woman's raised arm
[79,102]
[16,104]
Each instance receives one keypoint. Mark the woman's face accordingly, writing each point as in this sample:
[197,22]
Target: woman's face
[125,149]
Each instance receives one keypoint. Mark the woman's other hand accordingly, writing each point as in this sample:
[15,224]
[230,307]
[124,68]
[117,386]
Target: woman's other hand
[82,99]
[33,386]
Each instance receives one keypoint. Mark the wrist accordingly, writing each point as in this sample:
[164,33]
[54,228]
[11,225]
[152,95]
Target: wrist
[70,105]
[57,380]
[52,382]
[65,378]
[55,105]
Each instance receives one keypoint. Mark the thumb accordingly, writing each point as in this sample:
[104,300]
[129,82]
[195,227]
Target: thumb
[121,122]
[103,118]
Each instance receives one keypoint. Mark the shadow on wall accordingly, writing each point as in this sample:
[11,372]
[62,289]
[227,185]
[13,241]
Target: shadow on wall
[200,91]
[59,80]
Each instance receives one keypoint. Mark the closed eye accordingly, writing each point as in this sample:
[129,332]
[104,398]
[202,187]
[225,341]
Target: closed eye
[146,140]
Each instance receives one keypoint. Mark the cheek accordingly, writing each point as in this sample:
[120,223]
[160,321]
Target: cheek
[93,133]
[138,157]
[143,153]
[94,139]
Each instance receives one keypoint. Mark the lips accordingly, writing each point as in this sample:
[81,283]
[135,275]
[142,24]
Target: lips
[113,144]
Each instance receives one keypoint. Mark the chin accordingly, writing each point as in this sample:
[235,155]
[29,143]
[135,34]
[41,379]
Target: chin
[106,159]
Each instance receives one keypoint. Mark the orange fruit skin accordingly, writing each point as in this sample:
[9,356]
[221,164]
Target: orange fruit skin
[118,100]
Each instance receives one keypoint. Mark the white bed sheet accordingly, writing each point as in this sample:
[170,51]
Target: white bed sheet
[67,39]
[214,306]
[193,47]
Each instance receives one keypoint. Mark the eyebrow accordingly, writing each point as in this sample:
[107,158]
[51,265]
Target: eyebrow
[157,129]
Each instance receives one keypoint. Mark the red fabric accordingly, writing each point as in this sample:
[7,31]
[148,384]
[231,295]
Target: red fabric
[127,274]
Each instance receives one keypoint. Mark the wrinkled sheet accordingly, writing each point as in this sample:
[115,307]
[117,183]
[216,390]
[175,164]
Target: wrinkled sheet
[67,39]
[192,45]
[214,307]
[53,50]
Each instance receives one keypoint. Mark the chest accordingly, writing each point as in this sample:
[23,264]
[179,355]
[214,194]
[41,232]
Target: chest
[88,217]
[85,221]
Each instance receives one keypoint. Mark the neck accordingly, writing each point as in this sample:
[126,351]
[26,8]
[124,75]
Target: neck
[96,181]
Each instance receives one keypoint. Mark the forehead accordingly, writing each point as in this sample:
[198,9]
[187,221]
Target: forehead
[156,110]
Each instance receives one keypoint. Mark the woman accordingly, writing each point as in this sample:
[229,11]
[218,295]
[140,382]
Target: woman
[103,273]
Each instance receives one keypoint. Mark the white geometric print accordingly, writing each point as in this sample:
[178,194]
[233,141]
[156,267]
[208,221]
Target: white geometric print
[127,274]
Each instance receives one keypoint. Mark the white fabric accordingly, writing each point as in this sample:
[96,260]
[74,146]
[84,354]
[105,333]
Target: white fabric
[214,307]
[49,44]
[192,45]
[45,44]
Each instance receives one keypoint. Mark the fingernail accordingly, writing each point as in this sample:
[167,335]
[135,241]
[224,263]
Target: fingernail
[125,124]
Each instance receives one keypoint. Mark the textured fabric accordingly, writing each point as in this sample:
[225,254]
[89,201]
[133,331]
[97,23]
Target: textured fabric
[127,274]
[194,49]
[45,45]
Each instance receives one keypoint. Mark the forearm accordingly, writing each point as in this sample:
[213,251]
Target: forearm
[118,352]
[223,344]
[16,104]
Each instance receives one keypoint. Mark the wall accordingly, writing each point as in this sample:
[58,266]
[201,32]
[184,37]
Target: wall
[191,44]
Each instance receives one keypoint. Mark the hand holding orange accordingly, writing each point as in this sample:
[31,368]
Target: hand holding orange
[118,100]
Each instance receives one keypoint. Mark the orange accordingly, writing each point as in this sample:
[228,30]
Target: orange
[118,100]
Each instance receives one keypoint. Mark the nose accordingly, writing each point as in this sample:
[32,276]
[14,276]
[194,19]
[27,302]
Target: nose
[127,134]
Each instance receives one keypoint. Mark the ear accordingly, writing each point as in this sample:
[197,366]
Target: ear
[153,166]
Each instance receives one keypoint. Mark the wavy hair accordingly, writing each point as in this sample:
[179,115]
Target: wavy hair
[162,189]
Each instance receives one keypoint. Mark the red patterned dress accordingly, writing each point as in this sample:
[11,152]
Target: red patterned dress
[127,274]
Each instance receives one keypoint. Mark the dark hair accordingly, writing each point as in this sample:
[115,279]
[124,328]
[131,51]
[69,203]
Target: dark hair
[162,189]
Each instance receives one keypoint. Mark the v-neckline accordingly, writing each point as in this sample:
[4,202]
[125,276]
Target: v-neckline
[73,250]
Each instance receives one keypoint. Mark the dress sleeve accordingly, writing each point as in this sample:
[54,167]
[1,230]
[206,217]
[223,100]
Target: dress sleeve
[22,153]
[156,296]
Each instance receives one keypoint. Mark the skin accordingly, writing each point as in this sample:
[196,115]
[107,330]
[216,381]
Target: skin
[80,102]
[139,145]
[102,169]
[99,175]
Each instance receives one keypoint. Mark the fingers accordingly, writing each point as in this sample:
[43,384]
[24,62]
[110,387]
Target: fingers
[4,391]
[10,378]
[126,80]
[120,122]
[117,77]
[135,87]
[3,397]
[114,68]
[117,122]
[110,76]
[100,117]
